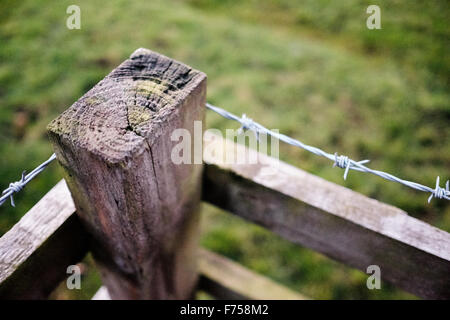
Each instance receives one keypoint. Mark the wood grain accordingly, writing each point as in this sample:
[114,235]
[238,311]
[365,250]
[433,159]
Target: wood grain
[329,218]
[35,253]
[140,208]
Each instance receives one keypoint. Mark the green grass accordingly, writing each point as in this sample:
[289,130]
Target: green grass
[312,70]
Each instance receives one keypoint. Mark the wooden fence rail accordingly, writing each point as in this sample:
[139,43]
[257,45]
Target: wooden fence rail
[329,218]
[138,212]
[35,253]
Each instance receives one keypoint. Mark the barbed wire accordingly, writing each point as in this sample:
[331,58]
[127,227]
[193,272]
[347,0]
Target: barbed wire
[19,185]
[340,161]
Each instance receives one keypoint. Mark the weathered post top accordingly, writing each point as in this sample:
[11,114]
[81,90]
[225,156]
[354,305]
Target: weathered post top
[132,103]
[115,146]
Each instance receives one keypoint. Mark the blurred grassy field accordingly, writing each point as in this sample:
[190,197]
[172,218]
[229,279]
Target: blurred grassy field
[311,69]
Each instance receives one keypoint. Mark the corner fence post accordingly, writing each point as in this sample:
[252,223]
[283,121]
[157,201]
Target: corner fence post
[140,208]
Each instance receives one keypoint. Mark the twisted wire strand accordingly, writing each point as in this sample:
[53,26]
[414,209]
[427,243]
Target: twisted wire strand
[15,187]
[340,161]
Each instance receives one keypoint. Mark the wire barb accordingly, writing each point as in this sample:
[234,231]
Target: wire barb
[15,187]
[340,161]
[248,124]
[344,162]
[440,193]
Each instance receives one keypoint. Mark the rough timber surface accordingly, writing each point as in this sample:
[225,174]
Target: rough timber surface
[141,209]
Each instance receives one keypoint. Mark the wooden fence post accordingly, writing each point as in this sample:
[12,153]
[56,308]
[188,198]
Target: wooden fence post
[115,147]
